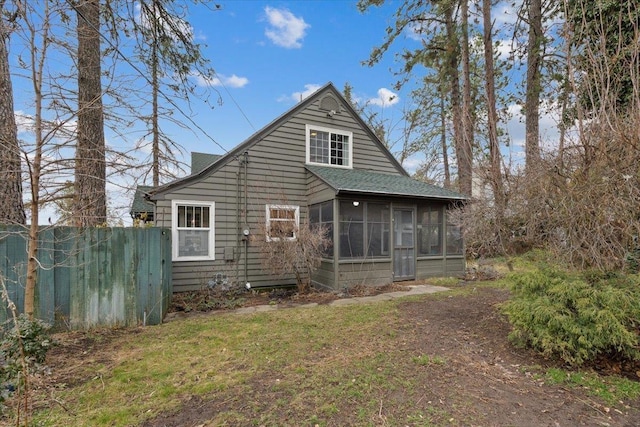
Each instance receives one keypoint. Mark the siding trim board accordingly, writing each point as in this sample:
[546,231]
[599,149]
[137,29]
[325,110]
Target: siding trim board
[271,168]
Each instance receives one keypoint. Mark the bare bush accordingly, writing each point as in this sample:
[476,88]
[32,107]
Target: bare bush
[299,255]
[581,200]
[593,214]
[586,213]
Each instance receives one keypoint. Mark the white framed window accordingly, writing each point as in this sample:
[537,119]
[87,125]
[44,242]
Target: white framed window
[329,147]
[193,232]
[282,222]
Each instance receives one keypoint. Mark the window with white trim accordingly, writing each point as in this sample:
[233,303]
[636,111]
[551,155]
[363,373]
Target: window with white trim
[192,225]
[329,147]
[282,222]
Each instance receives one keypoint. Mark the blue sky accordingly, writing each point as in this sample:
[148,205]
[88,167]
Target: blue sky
[270,54]
[267,56]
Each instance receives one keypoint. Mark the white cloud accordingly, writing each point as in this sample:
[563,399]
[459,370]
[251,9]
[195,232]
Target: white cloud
[285,29]
[416,31]
[309,89]
[386,98]
[412,163]
[549,133]
[505,48]
[56,128]
[506,13]
[236,81]
[221,80]
[24,121]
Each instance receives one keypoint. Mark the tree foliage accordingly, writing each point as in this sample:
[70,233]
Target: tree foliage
[605,36]
[166,47]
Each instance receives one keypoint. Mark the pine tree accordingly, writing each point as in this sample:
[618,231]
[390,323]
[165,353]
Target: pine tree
[90,203]
[12,207]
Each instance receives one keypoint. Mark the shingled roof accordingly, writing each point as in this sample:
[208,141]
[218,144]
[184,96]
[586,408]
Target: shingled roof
[199,161]
[368,182]
[140,204]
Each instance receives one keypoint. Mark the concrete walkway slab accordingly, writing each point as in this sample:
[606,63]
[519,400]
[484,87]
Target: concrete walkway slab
[413,290]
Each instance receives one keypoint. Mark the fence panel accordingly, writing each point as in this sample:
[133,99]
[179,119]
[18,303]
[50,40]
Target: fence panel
[91,277]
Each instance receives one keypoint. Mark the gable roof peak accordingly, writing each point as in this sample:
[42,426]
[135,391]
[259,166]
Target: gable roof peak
[278,121]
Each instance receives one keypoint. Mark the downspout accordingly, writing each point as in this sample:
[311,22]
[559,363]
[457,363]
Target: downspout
[337,284]
[236,255]
[246,215]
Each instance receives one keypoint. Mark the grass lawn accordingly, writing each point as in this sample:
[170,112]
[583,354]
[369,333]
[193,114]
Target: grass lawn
[432,360]
[319,355]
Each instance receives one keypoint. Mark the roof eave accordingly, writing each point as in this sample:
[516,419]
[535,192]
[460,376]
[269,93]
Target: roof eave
[348,191]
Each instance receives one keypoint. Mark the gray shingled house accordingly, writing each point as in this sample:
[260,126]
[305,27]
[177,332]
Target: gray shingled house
[318,162]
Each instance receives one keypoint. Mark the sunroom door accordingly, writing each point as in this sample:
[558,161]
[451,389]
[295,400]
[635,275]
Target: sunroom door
[403,245]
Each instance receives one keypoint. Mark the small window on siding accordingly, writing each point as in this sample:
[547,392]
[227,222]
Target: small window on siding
[192,226]
[282,222]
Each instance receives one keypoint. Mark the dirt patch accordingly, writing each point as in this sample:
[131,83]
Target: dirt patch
[481,380]
[487,380]
[214,300]
[73,359]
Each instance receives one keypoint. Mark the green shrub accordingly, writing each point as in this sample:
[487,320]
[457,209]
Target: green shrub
[633,260]
[576,318]
[28,338]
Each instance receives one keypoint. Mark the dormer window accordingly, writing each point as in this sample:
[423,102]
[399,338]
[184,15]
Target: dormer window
[329,147]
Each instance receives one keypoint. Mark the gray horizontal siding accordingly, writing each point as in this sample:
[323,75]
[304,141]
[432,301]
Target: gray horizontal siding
[368,273]
[455,266]
[324,276]
[426,268]
[318,191]
[276,174]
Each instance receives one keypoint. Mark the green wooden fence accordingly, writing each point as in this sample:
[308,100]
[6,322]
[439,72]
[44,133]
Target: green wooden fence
[90,277]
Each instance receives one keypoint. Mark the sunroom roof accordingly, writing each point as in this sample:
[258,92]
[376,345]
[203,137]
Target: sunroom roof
[365,181]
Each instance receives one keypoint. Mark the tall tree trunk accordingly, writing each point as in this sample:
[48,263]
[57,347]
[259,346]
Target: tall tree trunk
[154,93]
[35,169]
[465,163]
[497,184]
[37,63]
[90,204]
[453,57]
[12,207]
[443,141]
[565,93]
[532,97]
